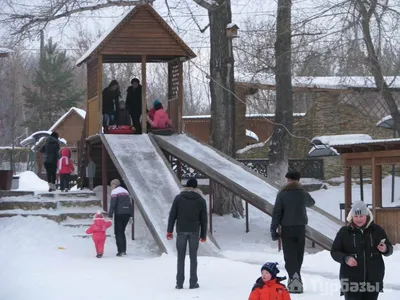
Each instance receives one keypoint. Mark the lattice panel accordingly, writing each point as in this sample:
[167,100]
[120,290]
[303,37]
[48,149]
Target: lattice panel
[369,103]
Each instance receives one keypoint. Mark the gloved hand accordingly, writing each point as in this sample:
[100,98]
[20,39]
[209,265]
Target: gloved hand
[203,240]
[275,236]
[170,235]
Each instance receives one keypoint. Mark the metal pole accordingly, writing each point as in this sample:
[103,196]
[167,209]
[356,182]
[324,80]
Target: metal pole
[179,169]
[247,216]
[361,184]
[211,198]
[393,170]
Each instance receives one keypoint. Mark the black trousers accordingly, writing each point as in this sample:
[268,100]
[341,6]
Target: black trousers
[51,170]
[120,222]
[64,181]
[361,296]
[293,244]
[182,239]
[136,122]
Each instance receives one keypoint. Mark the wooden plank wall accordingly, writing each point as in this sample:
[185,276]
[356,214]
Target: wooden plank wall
[92,78]
[93,115]
[143,34]
[389,219]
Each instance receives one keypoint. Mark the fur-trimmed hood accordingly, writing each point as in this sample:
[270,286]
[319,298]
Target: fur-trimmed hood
[294,185]
[194,190]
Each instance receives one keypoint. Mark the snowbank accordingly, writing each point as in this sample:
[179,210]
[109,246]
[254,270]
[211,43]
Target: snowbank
[29,181]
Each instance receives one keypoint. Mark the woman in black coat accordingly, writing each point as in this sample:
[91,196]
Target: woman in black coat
[359,248]
[51,150]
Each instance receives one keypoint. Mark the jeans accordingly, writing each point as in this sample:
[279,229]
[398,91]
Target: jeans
[120,222]
[64,181]
[183,238]
[108,119]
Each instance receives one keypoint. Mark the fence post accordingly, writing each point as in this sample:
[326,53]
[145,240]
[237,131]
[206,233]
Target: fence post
[247,216]
[133,220]
[211,200]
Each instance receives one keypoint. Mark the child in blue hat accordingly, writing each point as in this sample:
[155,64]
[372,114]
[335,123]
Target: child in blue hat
[268,286]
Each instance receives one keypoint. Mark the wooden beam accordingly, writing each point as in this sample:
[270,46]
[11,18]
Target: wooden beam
[347,191]
[104,175]
[375,185]
[144,98]
[100,90]
[379,187]
[389,153]
[180,96]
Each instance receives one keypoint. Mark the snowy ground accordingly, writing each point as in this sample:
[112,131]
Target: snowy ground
[42,260]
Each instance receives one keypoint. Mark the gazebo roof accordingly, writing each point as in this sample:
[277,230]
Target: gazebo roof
[367,146]
[141,31]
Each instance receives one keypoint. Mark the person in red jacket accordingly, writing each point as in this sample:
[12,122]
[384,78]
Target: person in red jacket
[268,286]
[152,111]
[161,119]
[65,168]
[98,231]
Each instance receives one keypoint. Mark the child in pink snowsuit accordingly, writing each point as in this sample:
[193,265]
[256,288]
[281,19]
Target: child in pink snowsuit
[98,231]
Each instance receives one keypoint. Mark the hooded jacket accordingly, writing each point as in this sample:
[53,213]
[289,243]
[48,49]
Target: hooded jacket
[271,289]
[51,150]
[361,243]
[98,228]
[161,120]
[189,210]
[290,207]
[65,165]
[120,202]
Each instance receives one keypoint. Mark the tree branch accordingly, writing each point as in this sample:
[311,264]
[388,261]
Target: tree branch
[30,21]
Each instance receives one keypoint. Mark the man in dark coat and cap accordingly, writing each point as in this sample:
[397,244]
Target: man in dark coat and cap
[134,103]
[189,210]
[290,213]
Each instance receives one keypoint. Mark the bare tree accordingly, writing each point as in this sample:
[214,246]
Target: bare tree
[368,9]
[281,138]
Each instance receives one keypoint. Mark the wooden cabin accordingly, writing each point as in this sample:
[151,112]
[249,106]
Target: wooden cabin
[375,154]
[142,36]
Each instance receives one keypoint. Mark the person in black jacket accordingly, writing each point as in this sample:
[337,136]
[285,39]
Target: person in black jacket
[189,210]
[110,107]
[134,103]
[359,247]
[120,206]
[290,213]
[51,153]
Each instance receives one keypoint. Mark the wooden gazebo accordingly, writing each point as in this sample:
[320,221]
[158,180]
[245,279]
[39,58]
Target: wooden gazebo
[142,36]
[373,153]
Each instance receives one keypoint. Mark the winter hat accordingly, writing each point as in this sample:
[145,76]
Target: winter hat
[293,175]
[192,182]
[135,80]
[98,215]
[115,182]
[156,102]
[54,135]
[271,268]
[359,208]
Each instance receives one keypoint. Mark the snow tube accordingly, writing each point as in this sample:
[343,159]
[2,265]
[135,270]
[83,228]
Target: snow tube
[123,129]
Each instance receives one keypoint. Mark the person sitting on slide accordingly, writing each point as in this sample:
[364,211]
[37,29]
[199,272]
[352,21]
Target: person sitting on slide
[161,119]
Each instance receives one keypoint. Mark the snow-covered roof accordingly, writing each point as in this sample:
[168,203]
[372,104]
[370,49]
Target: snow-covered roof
[322,82]
[36,137]
[348,140]
[247,116]
[386,122]
[340,139]
[322,150]
[251,134]
[120,21]
[79,111]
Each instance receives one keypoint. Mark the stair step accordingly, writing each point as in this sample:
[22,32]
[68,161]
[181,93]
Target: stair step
[27,205]
[70,194]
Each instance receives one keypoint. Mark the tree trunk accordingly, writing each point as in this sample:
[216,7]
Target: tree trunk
[222,100]
[281,138]
[375,66]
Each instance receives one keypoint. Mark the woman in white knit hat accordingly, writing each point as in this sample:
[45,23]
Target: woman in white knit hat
[359,247]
